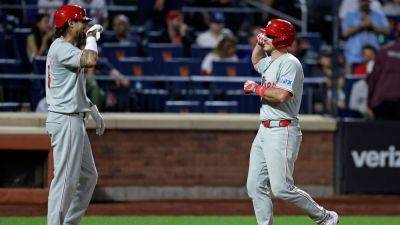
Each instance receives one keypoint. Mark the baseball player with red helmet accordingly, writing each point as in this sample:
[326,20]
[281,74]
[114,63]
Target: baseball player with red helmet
[75,174]
[277,142]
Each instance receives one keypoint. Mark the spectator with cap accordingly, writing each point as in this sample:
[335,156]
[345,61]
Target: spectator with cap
[362,27]
[216,31]
[384,83]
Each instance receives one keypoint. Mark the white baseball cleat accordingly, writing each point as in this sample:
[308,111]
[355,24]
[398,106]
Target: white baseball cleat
[333,219]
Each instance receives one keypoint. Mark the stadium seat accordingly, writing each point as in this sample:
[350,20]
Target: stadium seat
[230,69]
[136,66]
[182,106]
[243,51]
[39,65]
[152,100]
[118,51]
[164,51]
[3,52]
[10,66]
[182,66]
[19,44]
[247,103]
[221,106]
[314,39]
[199,52]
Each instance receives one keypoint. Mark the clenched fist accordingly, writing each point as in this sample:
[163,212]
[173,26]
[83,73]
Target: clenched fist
[249,87]
[96,29]
[261,39]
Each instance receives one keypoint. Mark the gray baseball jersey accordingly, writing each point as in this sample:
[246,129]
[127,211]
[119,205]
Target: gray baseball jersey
[284,72]
[75,174]
[274,150]
[65,81]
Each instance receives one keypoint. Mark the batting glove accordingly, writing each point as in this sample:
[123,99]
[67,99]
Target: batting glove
[261,38]
[97,28]
[98,119]
[252,87]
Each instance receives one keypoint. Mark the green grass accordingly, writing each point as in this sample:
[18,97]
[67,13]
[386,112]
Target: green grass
[202,220]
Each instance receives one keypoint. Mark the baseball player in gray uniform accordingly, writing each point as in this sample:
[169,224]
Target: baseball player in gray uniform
[75,174]
[277,143]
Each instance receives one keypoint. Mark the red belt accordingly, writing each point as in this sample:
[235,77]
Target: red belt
[276,123]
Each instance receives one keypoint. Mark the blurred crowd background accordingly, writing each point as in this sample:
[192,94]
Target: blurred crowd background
[193,55]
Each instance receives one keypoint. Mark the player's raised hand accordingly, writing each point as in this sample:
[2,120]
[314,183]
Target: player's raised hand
[100,125]
[96,29]
[249,87]
[261,39]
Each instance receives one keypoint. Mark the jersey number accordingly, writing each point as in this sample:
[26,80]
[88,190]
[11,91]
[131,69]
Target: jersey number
[48,76]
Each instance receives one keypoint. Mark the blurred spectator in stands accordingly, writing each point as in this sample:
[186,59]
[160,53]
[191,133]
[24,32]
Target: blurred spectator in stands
[152,13]
[38,42]
[392,11]
[122,33]
[392,8]
[362,27]
[384,83]
[353,5]
[49,7]
[120,27]
[178,32]
[96,9]
[331,98]
[216,31]
[359,91]
[224,51]
[368,53]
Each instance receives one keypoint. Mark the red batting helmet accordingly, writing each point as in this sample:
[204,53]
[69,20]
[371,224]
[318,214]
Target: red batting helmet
[282,31]
[69,12]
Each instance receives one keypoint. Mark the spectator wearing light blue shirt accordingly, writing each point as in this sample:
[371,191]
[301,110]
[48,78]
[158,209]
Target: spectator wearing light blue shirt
[362,27]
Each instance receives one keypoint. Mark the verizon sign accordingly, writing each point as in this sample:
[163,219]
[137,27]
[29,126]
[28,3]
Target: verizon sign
[368,157]
[373,158]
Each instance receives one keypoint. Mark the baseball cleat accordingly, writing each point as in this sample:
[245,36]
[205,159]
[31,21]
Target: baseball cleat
[333,219]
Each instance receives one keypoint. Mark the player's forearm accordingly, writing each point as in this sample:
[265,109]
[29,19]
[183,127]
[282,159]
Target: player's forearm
[88,58]
[276,95]
[89,54]
[257,55]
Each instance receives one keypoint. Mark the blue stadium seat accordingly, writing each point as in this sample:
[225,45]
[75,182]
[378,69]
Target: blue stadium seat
[247,103]
[314,39]
[182,106]
[230,69]
[118,51]
[221,106]
[199,52]
[10,66]
[39,65]
[19,44]
[182,66]
[136,66]
[164,52]
[243,51]
[3,52]
[152,100]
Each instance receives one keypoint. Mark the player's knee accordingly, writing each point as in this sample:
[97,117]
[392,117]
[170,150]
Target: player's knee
[280,192]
